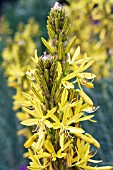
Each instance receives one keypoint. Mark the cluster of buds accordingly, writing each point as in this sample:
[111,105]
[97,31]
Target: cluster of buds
[57,103]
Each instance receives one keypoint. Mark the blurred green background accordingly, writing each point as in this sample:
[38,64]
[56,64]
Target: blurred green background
[11,145]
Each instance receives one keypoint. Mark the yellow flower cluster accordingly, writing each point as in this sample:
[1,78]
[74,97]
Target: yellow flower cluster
[57,103]
[92,22]
[4,27]
[17,61]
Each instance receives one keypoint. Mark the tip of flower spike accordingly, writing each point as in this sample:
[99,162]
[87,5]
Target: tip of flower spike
[57,6]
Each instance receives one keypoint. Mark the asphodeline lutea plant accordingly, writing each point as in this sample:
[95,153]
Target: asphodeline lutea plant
[92,22]
[16,61]
[58,104]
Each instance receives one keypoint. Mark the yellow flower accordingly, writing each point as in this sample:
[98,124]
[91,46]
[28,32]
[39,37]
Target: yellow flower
[51,152]
[83,155]
[35,164]
[40,121]
[65,124]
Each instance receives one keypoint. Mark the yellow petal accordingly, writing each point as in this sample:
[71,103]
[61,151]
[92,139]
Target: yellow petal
[55,119]
[30,141]
[22,116]
[48,145]
[43,155]
[61,139]
[67,113]
[56,125]
[36,58]
[94,161]
[50,166]
[31,112]
[50,112]
[83,62]
[30,122]
[65,146]
[83,137]
[87,75]
[86,98]
[75,129]
[74,118]
[76,54]
[26,155]
[89,85]
[85,118]
[69,76]
[33,158]
[61,155]
[68,85]
[94,141]
[87,167]
[41,138]
[87,65]
[38,109]
[48,123]
[24,132]
[74,67]
[64,97]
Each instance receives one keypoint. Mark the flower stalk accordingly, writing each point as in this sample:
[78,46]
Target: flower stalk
[57,103]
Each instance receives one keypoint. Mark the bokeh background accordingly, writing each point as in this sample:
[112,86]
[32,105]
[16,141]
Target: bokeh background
[12,13]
